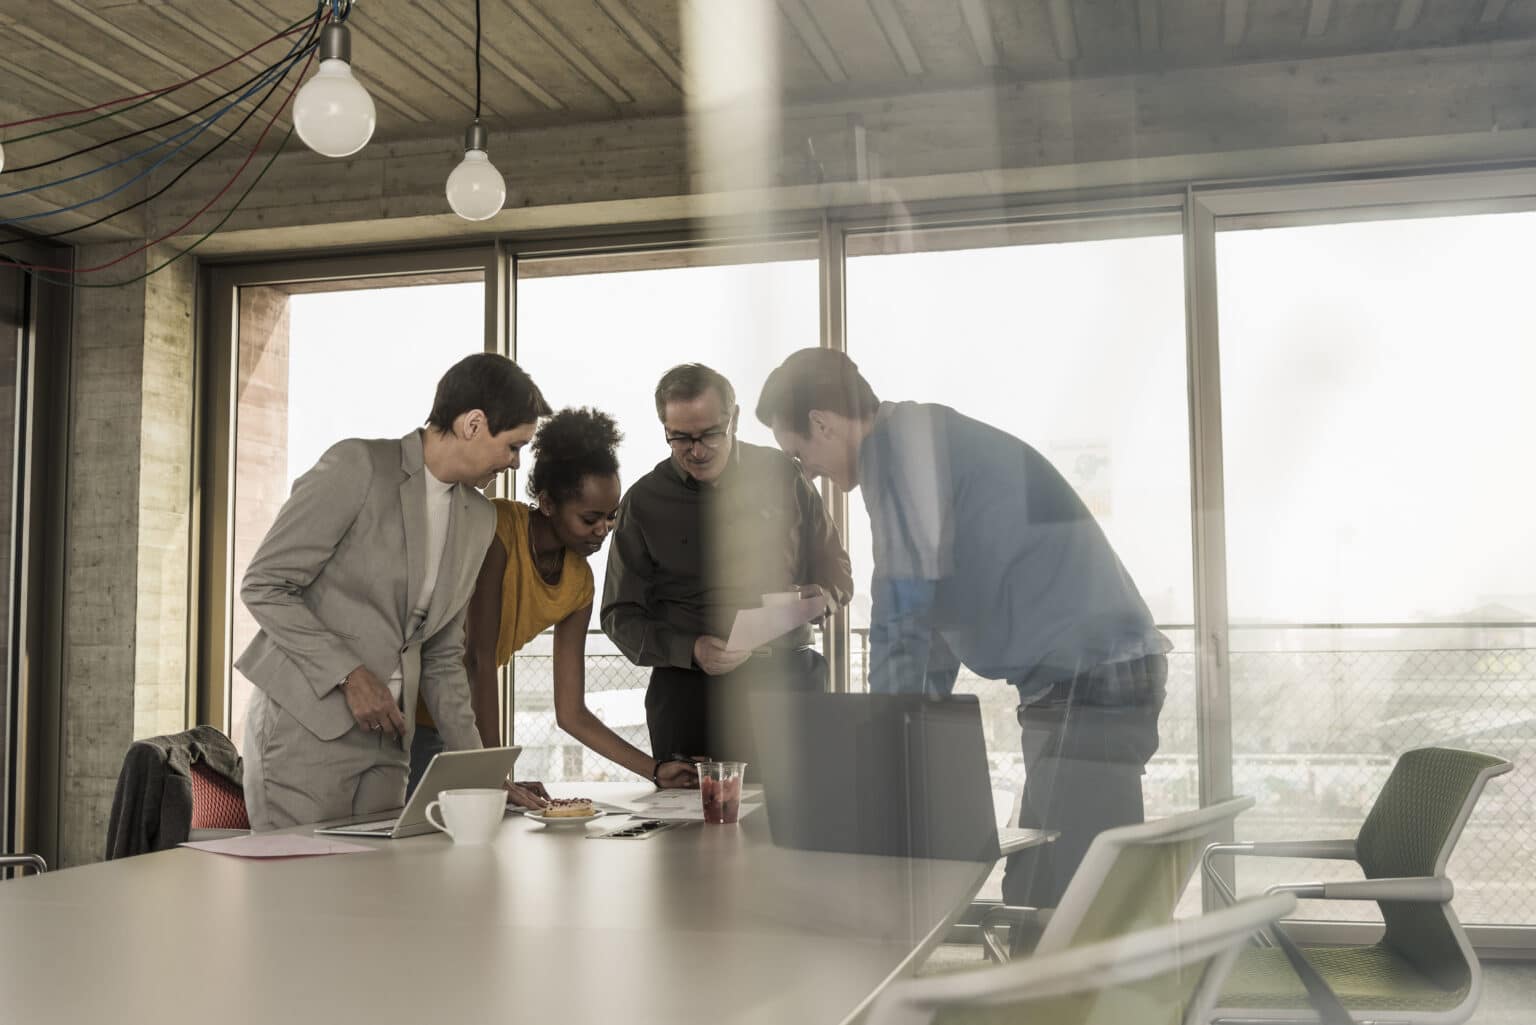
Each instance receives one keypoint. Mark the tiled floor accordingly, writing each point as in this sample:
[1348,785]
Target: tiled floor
[1509,987]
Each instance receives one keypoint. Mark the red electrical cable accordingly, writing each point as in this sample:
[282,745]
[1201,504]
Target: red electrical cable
[166,89]
[219,195]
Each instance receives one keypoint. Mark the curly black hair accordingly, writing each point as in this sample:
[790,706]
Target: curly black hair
[569,446]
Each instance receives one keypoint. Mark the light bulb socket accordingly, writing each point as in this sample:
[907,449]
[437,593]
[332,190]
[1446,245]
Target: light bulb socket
[475,136]
[336,43]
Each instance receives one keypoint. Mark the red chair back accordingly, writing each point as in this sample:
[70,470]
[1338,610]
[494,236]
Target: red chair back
[216,802]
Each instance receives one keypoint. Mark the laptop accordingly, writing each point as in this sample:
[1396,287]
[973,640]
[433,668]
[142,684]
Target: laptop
[449,770]
[892,774]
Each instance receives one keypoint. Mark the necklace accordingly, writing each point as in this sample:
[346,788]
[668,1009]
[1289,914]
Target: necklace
[547,563]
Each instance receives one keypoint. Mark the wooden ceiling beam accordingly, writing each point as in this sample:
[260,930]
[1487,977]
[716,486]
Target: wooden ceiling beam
[896,34]
[644,39]
[464,31]
[810,33]
[89,17]
[80,60]
[562,44]
[979,22]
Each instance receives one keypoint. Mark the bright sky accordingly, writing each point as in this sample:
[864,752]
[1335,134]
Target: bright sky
[1376,389]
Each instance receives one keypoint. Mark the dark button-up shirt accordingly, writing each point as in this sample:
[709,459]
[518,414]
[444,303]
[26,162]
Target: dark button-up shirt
[685,557]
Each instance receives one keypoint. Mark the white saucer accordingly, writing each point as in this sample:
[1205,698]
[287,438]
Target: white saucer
[560,821]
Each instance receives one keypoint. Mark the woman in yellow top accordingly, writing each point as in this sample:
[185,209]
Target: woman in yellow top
[535,576]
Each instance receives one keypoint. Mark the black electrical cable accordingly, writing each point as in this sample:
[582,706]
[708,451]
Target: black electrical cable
[308,44]
[477,60]
[168,121]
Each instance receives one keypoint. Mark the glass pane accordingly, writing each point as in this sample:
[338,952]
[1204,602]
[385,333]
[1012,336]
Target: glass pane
[318,367]
[1078,348]
[1382,566]
[604,340]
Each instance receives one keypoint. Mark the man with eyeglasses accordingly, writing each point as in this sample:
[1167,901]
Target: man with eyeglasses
[708,532]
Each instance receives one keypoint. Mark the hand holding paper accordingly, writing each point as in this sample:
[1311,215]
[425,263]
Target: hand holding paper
[755,627]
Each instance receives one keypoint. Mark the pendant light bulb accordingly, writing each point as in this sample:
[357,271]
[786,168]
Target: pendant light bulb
[476,190]
[333,113]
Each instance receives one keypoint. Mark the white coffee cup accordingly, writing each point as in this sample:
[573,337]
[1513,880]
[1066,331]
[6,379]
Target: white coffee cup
[470,817]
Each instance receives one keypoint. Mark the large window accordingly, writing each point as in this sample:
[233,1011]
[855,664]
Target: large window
[356,359]
[1077,347]
[1366,559]
[1376,396]
[597,332]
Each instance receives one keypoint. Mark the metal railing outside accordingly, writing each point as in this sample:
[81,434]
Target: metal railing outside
[1319,716]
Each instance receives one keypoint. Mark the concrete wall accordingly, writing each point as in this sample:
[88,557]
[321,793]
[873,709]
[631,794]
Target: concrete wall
[125,588]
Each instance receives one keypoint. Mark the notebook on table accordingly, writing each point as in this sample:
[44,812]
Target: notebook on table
[486,768]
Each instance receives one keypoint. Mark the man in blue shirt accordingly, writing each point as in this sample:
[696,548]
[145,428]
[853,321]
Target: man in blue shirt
[986,557]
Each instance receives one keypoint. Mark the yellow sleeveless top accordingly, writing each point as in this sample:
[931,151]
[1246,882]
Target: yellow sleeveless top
[529,606]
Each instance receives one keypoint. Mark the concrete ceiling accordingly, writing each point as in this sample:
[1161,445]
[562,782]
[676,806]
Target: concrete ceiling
[551,62]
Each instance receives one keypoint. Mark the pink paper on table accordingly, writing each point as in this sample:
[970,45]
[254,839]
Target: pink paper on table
[283,845]
[756,627]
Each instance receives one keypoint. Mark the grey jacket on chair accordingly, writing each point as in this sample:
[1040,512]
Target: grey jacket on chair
[152,808]
[333,583]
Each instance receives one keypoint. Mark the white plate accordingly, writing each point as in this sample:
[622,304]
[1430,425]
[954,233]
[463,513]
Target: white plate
[564,820]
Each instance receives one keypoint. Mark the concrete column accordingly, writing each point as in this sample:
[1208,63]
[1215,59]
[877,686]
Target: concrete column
[125,620]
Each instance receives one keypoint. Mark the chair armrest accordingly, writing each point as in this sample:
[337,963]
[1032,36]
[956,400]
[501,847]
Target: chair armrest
[33,861]
[1034,919]
[1419,889]
[1339,850]
[1335,850]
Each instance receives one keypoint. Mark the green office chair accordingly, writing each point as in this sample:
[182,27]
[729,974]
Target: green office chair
[1164,976]
[1422,971]
[1131,878]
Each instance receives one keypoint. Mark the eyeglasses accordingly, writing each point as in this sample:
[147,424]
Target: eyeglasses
[712,439]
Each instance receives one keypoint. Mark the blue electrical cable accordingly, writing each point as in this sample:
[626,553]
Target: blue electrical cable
[179,174]
[280,70]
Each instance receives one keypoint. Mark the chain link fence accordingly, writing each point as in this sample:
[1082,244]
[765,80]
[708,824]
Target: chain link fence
[1318,720]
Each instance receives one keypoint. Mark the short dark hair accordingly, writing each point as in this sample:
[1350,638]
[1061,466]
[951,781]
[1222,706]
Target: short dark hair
[687,381]
[810,379]
[570,446]
[492,384]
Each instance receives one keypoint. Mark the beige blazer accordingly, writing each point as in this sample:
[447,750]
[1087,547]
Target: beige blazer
[334,580]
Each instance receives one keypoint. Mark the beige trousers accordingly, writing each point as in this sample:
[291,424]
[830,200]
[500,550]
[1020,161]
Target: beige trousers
[292,777]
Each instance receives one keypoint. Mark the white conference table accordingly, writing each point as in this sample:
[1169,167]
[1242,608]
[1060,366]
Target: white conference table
[695,923]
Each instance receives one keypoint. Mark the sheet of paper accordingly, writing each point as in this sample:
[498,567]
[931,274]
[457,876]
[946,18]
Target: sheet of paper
[755,627]
[686,805]
[283,845]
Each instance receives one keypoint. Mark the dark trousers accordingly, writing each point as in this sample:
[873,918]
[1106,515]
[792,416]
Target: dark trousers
[426,743]
[1086,744]
[689,712]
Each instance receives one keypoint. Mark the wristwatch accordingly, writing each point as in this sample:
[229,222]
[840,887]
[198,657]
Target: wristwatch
[657,771]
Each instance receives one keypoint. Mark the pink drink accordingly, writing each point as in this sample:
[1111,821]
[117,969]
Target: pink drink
[720,787]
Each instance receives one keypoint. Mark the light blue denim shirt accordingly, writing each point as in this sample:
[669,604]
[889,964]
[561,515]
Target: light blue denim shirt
[985,556]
